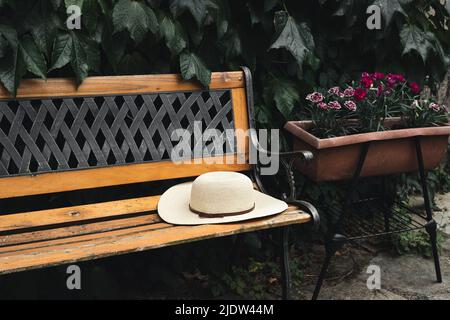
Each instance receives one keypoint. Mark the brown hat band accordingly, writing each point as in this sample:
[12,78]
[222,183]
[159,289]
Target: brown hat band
[220,215]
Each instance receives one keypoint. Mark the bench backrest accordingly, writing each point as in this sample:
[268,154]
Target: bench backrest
[111,131]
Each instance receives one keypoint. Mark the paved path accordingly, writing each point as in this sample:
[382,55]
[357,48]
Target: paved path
[402,277]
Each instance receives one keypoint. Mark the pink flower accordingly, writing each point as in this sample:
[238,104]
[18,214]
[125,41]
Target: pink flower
[322,105]
[360,94]
[434,106]
[366,82]
[315,97]
[400,77]
[415,88]
[350,105]
[378,76]
[392,79]
[365,75]
[334,105]
[334,90]
[349,92]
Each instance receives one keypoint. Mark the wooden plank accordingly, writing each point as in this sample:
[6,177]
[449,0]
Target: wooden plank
[77,213]
[78,230]
[110,176]
[116,85]
[136,239]
[47,243]
[90,228]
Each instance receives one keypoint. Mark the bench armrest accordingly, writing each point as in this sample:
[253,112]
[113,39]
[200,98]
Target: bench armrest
[309,209]
[303,155]
[287,160]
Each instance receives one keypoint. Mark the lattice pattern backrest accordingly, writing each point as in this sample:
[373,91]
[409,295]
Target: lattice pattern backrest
[48,135]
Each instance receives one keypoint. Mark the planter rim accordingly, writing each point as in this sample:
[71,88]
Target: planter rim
[299,130]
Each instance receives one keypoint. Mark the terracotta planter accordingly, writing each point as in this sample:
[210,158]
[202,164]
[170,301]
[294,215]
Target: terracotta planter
[390,152]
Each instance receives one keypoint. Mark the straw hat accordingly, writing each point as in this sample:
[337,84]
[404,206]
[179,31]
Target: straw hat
[216,197]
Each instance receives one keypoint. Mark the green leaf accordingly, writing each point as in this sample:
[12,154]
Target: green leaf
[92,50]
[192,66]
[12,68]
[136,17]
[284,93]
[197,8]
[79,60]
[232,45]
[33,58]
[390,7]
[43,29]
[62,51]
[289,37]
[414,39]
[90,17]
[220,10]
[174,35]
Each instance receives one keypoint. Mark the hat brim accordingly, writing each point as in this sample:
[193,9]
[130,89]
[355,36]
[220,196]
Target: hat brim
[173,208]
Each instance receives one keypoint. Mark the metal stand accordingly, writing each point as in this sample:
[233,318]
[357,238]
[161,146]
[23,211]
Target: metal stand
[352,225]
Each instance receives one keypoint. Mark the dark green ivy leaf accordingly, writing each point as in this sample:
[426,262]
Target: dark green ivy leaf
[79,59]
[196,7]
[192,66]
[414,39]
[43,29]
[34,59]
[174,35]
[220,9]
[12,68]
[284,93]
[62,51]
[389,8]
[136,17]
[290,37]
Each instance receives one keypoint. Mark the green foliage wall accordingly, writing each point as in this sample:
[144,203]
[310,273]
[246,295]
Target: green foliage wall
[291,46]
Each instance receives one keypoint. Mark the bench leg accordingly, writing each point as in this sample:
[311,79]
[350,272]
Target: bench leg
[431,226]
[331,246]
[285,268]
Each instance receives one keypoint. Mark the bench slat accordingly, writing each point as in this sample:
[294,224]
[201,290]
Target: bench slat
[110,243]
[77,213]
[113,175]
[71,231]
[91,86]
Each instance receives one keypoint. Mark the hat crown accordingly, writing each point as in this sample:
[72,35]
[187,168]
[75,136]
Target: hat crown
[222,192]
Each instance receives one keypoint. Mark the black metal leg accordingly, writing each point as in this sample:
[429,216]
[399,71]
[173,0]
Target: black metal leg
[335,240]
[431,226]
[285,268]
[331,246]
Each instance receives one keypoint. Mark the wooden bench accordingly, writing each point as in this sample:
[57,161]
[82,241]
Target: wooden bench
[56,138]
